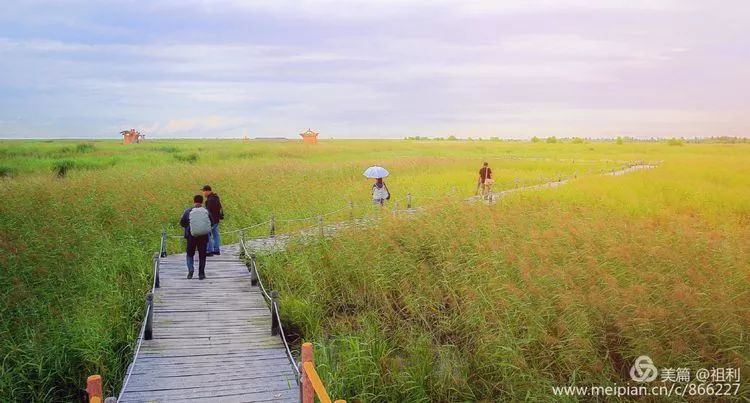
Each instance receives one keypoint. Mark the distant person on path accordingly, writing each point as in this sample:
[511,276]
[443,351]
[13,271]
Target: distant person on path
[380,192]
[485,180]
[215,211]
[197,224]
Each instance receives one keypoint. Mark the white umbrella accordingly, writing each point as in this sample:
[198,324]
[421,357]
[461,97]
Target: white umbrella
[375,172]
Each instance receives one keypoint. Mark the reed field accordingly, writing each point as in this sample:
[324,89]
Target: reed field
[456,302]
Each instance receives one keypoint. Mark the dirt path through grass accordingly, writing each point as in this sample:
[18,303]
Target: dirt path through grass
[558,183]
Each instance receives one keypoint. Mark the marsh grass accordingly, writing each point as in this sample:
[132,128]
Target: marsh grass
[62,167]
[549,288]
[6,171]
[388,303]
[85,148]
[191,158]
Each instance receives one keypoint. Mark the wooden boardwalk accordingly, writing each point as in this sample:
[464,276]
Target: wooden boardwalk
[211,339]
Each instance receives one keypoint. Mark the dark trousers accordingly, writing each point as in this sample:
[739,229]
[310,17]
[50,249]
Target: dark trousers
[200,243]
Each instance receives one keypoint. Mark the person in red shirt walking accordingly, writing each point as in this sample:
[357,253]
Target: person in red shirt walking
[485,180]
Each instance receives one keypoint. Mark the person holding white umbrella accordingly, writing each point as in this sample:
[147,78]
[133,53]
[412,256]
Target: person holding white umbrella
[380,192]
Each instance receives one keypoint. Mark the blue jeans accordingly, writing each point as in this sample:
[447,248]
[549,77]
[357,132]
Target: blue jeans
[214,241]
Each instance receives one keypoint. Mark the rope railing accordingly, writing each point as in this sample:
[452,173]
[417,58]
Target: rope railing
[304,370]
[246,228]
[297,219]
[146,332]
[289,355]
[255,277]
[272,298]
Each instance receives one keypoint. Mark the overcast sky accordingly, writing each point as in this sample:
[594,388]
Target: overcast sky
[386,69]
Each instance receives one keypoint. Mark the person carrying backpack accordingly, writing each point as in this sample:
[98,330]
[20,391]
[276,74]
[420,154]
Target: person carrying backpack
[197,224]
[216,212]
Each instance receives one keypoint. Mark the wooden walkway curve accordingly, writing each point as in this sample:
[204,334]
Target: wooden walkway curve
[211,339]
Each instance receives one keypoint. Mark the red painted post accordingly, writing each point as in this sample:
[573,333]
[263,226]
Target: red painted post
[94,388]
[306,390]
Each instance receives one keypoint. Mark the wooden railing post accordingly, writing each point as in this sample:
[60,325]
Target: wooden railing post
[253,272]
[94,388]
[163,247]
[272,221]
[408,201]
[242,242]
[275,313]
[148,333]
[307,393]
[157,265]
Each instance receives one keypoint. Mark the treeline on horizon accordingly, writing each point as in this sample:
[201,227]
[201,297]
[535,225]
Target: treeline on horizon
[619,139]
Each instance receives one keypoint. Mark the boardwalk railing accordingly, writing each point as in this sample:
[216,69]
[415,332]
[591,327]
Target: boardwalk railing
[272,299]
[306,375]
[310,383]
[93,384]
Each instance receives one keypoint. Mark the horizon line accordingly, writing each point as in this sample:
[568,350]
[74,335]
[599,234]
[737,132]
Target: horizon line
[410,138]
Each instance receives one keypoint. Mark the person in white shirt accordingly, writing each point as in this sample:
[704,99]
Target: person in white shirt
[380,192]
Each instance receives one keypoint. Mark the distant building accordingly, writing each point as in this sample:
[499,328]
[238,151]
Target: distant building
[309,137]
[131,136]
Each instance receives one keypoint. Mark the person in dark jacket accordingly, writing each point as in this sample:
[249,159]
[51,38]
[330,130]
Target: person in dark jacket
[194,242]
[213,205]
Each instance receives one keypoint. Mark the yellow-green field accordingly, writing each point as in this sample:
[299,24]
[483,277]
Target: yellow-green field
[458,302]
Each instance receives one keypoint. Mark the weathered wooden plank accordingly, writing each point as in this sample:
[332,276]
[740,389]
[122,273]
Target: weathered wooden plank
[279,389]
[166,365]
[181,349]
[284,396]
[271,365]
[237,326]
[250,380]
[266,367]
[191,335]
